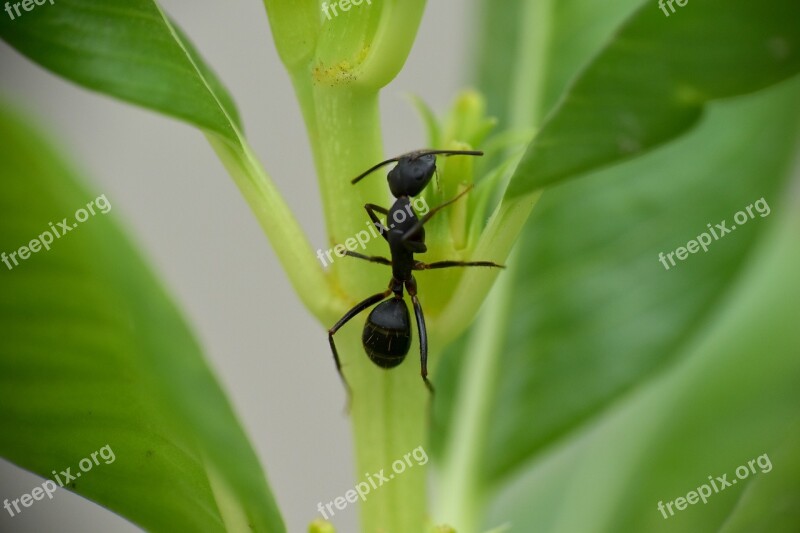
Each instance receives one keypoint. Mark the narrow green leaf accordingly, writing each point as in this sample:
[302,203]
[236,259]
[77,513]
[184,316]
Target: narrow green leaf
[651,82]
[93,353]
[127,49]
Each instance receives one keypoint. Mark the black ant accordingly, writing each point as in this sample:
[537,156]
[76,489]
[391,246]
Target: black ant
[387,332]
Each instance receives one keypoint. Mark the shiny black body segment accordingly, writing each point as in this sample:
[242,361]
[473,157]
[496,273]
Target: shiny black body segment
[386,337]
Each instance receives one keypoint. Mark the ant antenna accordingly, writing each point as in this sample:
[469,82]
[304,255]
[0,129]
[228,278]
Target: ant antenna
[414,155]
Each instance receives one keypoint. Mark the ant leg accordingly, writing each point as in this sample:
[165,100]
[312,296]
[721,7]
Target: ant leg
[415,228]
[370,258]
[423,337]
[371,209]
[372,300]
[419,265]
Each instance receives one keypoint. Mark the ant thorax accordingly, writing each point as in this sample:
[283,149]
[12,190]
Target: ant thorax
[401,216]
[405,235]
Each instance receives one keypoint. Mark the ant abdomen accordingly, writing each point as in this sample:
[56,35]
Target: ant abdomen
[387,333]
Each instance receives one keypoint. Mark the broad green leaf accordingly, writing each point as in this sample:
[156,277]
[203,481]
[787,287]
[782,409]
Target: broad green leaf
[93,353]
[651,82]
[730,401]
[595,312]
[128,49]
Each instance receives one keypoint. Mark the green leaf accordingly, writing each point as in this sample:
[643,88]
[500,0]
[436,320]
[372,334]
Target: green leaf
[93,353]
[729,401]
[127,49]
[595,312]
[651,82]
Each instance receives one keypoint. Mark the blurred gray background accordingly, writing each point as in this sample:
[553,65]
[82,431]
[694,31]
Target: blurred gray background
[177,202]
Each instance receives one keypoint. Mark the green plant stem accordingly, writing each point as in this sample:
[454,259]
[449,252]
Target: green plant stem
[390,419]
[388,409]
[347,140]
[337,70]
[461,500]
[527,91]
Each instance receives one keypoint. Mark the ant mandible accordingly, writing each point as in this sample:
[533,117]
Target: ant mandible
[387,332]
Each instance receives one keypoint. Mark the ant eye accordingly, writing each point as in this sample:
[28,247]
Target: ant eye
[416,172]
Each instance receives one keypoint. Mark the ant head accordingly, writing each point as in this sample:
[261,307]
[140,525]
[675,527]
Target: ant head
[414,170]
[411,175]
